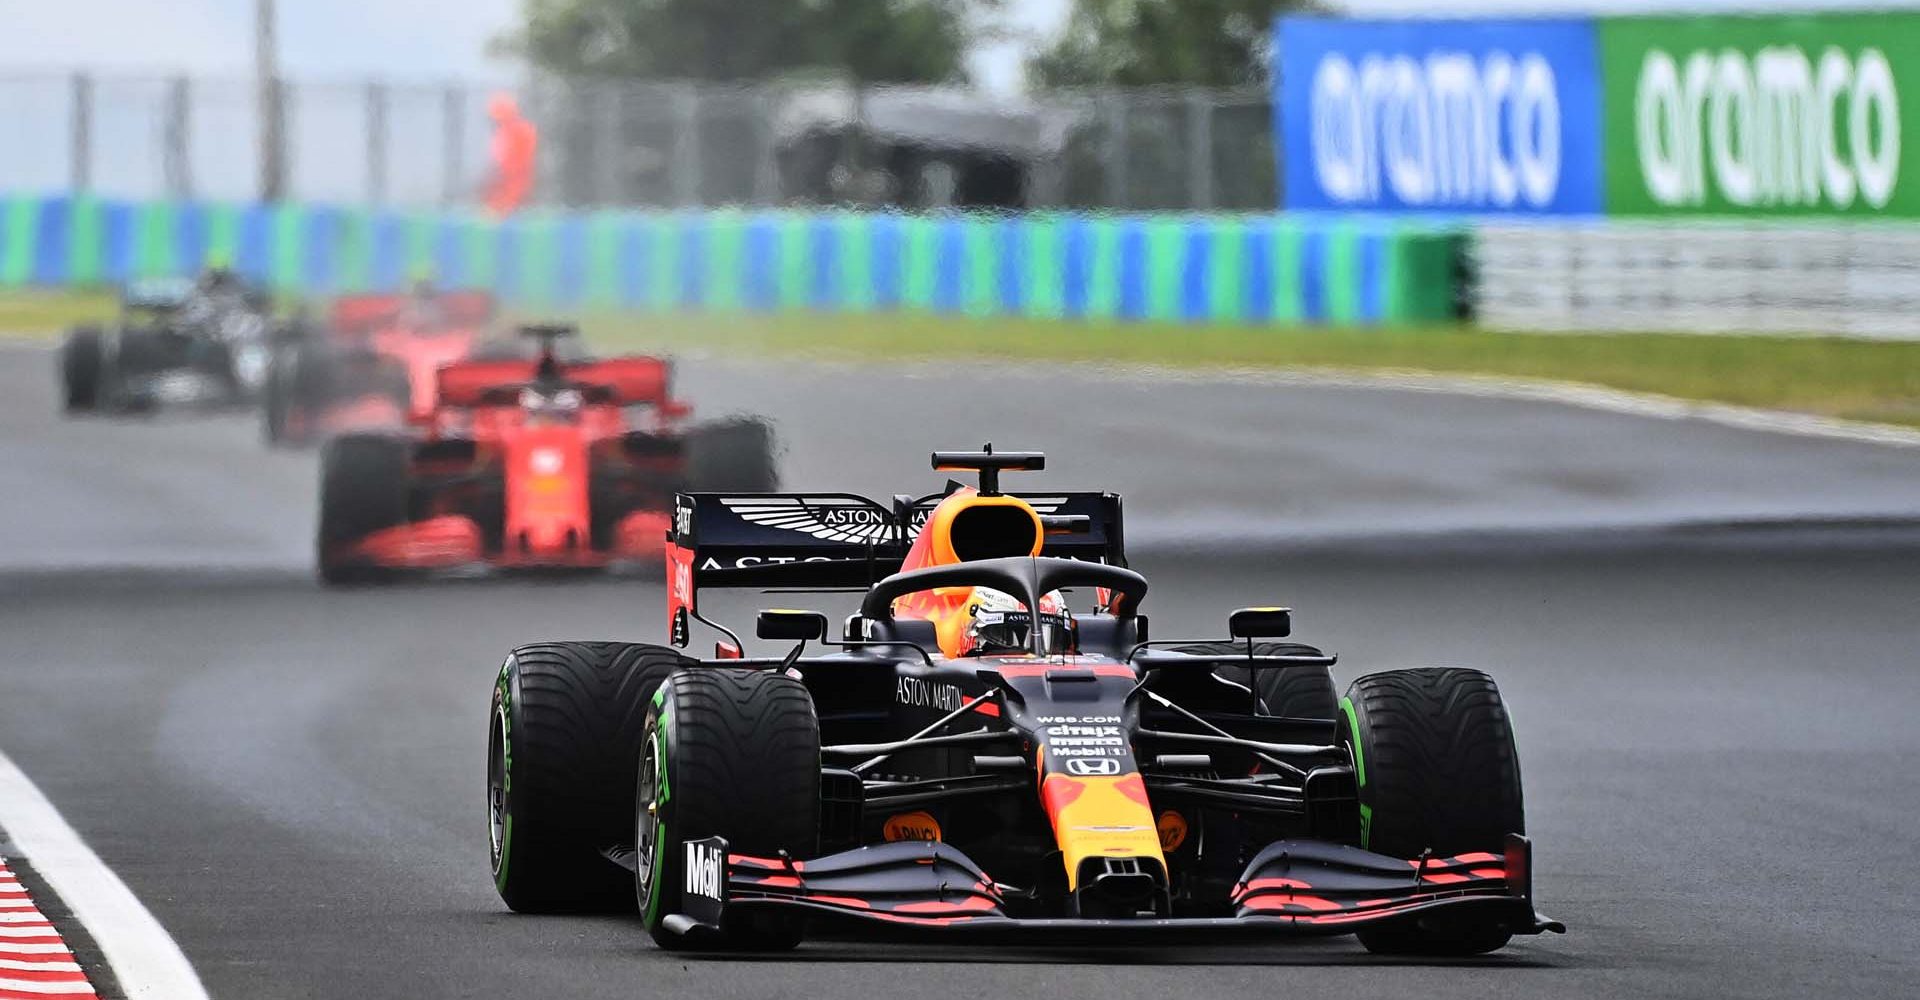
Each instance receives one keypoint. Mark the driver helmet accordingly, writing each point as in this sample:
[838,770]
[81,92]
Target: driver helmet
[551,400]
[423,305]
[1001,624]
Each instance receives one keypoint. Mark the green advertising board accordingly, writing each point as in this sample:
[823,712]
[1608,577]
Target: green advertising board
[1783,115]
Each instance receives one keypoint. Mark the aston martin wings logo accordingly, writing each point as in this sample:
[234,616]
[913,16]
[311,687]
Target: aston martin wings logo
[838,519]
[830,520]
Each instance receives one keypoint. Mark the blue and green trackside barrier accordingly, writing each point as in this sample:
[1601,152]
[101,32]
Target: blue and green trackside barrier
[1203,269]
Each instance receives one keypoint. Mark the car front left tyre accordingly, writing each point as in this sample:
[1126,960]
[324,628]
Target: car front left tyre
[563,746]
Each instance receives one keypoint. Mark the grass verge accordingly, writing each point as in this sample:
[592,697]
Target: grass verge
[35,313]
[1853,379]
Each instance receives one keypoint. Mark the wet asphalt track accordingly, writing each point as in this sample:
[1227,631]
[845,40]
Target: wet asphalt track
[1716,723]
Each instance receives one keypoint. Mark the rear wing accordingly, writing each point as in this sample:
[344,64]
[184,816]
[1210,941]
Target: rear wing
[156,295]
[624,381]
[839,541]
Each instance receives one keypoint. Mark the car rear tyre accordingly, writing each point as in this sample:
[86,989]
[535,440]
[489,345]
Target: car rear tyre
[83,361]
[297,376]
[1435,764]
[563,746]
[728,753]
[732,456]
[1286,692]
[363,489]
[276,397]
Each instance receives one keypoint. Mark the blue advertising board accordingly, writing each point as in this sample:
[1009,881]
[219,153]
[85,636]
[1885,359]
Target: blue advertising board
[1439,115]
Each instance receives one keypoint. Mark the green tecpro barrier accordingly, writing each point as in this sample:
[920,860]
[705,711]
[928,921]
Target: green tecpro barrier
[1253,269]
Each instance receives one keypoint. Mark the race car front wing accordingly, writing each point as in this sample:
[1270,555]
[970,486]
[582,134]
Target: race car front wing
[1293,887]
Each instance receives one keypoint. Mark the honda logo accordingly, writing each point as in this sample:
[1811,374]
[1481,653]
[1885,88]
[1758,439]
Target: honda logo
[1093,767]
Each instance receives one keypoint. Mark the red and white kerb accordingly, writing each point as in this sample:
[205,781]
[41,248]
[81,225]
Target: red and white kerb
[34,961]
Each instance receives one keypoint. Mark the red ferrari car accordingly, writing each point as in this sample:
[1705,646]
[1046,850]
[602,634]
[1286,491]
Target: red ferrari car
[537,463]
[373,367]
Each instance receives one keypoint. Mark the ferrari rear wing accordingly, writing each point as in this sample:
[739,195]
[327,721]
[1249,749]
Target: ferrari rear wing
[836,541]
[626,381]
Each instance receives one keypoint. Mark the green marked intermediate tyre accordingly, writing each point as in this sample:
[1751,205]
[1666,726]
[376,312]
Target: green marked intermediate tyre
[729,753]
[1436,769]
[563,742]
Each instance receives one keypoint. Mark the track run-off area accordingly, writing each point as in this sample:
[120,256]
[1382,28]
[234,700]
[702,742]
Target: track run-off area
[1707,634]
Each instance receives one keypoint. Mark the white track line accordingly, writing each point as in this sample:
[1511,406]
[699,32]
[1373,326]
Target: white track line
[1580,395]
[1575,394]
[146,961]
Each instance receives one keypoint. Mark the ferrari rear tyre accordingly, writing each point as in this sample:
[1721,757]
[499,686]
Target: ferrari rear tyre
[1435,764]
[728,753]
[1286,692]
[732,456]
[363,489]
[83,361]
[563,744]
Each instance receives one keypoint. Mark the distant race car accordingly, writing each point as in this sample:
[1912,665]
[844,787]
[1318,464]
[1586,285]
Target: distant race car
[370,364]
[536,463]
[177,342]
[966,723]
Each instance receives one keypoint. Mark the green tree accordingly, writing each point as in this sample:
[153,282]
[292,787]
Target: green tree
[883,41]
[1215,43]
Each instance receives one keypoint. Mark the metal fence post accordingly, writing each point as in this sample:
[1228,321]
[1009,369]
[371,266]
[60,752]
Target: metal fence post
[452,145]
[377,143]
[766,174]
[1046,185]
[686,145]
[610,97]
[1278,142]
[82,150]
[176,154]
[1115,153]
[271,100]
[1199,150]
[273,139]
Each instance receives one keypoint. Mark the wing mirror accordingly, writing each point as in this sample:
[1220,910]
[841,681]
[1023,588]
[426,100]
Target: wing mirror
[792,626]
[1260,623]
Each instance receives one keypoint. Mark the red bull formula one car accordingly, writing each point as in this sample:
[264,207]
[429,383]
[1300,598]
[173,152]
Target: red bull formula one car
[528,464]
[373,364]
[974,759]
